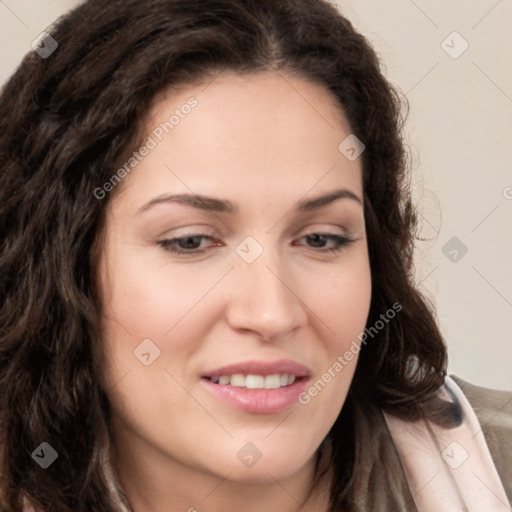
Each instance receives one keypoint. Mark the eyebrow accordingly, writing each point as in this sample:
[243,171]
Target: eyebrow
[212,204]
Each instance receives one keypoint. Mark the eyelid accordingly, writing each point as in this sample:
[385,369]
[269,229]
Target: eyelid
[316,228]
[312,227]
[189,230]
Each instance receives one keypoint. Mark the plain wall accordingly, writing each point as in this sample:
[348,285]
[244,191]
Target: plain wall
[459,132]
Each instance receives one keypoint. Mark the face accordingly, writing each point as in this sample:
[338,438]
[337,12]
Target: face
[221,314]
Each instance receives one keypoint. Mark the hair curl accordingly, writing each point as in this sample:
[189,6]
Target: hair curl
[65,123]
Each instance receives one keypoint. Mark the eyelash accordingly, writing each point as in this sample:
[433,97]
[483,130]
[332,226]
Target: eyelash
[170,244]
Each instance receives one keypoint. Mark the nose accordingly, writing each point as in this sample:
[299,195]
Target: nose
[265,299]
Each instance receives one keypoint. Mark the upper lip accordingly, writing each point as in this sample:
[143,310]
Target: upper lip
[261,368]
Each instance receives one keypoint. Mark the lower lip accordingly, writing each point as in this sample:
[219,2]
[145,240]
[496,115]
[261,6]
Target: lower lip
[258,401]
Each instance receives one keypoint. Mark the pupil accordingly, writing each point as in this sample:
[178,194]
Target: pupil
[317,238]
[190,240]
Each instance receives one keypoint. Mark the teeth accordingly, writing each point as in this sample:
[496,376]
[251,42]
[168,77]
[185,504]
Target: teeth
[272,381]
[237,380]
[275,381]
[255,381]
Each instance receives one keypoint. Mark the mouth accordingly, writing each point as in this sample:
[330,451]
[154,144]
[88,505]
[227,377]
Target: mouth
[258,387]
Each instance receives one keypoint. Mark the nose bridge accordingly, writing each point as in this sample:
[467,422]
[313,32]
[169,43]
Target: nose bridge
[263,298]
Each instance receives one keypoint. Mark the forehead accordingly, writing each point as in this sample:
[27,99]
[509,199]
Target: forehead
[258,132]
[252,104]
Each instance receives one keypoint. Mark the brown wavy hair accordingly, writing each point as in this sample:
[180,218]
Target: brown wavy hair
[65,124]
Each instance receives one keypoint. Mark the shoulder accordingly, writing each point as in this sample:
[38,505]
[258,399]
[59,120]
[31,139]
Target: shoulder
[493,409]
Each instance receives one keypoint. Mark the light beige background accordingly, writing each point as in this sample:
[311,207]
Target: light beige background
[459,130]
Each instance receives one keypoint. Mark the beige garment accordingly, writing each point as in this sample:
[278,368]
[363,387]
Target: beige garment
[494,412]
[450,470]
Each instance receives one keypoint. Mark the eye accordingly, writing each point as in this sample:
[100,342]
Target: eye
[191,244]
[184,245]
[338,242]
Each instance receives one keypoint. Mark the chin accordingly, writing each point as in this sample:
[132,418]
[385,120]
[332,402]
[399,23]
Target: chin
[266,466]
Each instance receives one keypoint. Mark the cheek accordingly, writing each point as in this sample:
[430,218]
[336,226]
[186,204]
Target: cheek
[170,305]
[345,311]
[150,297]
[342,299]
[343,303]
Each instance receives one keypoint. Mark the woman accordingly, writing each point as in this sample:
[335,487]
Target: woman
[206,268]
